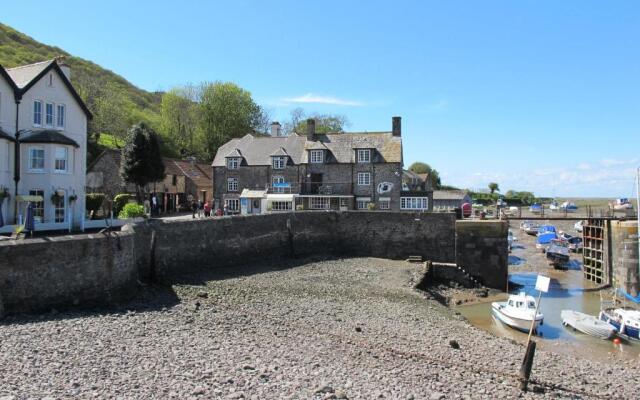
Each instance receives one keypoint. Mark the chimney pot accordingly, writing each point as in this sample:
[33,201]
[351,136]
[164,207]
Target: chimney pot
[396,126]
[311,129]
[66,70]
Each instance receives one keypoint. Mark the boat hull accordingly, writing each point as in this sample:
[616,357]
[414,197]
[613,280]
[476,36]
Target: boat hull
[520,324]
[588,324]
[625,331]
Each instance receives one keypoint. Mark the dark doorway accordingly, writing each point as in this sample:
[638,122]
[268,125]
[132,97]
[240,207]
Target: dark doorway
[316,183]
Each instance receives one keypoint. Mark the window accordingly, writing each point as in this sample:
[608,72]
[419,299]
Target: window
[59,209]
[364,178]
[37,113]
[48,114]
[279,162]
[36,159]
[232,184]
[364,155]
[60,116]
[317,156]
[362,203]
[232,204]
[384,203]
[414,203]
[277,182]
[61,160]
[233,163]
[50,79]
[344,202]
[281,206]
[38,206]
[320,203]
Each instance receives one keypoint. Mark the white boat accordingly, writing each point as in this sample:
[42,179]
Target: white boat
[622,204]
[587,324]
[554,206]
[518,312]
[569,207]
[578,226]
[625,321]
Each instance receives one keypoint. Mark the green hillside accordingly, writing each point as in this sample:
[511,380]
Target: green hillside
[92,81]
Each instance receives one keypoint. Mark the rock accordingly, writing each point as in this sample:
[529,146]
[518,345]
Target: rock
[198,391]
[454,344]
[436,396]
[324,389]
[358,329]
[341,394]
[235,395]
[202,294]
[537,389]
[248,367]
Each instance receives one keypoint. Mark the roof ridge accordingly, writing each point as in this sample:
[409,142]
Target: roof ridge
[31,65]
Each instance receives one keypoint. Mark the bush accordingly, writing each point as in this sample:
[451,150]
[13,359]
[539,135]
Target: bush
[371,206]
[119,201]
[94,202]
[132,210]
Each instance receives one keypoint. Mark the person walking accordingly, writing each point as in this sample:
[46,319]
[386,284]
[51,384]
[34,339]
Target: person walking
[207,210]
[200,208]
[194,209]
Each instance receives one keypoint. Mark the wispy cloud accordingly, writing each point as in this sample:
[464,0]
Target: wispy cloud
[311,98]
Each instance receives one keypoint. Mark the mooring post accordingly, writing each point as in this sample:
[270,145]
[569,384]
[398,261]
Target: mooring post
[527,364]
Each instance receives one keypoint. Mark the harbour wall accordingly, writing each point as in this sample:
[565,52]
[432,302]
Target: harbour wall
[85,270]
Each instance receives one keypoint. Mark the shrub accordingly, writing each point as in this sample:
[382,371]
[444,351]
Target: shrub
[119,201]
[94,202]
[132,210]
[371,206]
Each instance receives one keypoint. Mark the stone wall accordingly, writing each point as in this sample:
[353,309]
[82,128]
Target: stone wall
[40,274]
[482,251]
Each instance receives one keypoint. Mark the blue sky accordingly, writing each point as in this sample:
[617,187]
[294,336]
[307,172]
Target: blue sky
[535,95]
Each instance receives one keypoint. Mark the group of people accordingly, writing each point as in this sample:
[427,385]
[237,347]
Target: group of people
[202,209]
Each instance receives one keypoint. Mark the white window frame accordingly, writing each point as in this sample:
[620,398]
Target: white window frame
[38,206]
[38,121]
[281,205]
[364,178]
[65,159]
[319,203]
[31,158]
[61,112]
[414,203]
[60,209]
[279,162]
[233,163]
[364,155]
[277,179]
[316,156]
[362,203]
[47,115]
[232,184]
[384,203]
[232,204]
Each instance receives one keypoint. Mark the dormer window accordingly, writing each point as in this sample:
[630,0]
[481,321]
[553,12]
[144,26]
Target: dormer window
[364,155]
[279,162]
[233,163]
[317,156]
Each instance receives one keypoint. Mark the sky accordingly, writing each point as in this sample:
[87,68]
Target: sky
[542,96]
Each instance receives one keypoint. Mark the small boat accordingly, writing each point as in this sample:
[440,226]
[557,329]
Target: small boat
[554,206]
[532,229]
[568,207]
[587,324]
[518,312]
[626,322]
[578,226]
[546,233]
[558,252]
[622,204]
[535,208]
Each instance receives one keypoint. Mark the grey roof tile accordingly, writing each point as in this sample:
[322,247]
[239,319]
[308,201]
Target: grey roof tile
[24,74]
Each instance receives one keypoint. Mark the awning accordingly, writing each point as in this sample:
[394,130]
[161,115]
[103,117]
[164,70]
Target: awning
[280,197]
[29,198]
[252,194]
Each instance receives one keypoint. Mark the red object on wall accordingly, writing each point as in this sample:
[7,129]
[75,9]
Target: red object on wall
[466,210]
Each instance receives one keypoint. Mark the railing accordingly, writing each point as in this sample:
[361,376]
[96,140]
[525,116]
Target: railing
[309,188]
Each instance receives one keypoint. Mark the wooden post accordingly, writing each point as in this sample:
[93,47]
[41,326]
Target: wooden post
[527,363]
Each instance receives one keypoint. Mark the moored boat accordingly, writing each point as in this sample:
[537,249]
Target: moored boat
[535,208]
[558,252]
[518,312]
[587,324]
[532,229]
[554,206]
[622,204]
[626,322]
[546,233]
[568,207]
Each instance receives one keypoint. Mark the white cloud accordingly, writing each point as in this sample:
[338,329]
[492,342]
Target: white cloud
[311,98]
[584,166]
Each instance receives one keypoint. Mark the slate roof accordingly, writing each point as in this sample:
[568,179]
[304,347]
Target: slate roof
[6,136]
[24,74]
[47,136]
[341,146]
[449,194]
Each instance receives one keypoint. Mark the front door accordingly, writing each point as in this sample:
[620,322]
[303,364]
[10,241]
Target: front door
[316,183]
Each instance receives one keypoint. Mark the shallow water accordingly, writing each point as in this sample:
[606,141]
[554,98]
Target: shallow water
[564,293]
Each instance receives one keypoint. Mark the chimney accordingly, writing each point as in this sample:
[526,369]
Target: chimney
[311,129]
[396,126]
[276,129]
[66,70]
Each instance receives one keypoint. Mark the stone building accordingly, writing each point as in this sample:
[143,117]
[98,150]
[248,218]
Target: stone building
[43,146]
[448,200]
[335,171]
[184,180]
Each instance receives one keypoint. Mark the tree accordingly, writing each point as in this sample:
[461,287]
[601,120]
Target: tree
[111,114]
[325,123]
[419,167]
[494,187]
[179,119]
[226,111]
[141,161]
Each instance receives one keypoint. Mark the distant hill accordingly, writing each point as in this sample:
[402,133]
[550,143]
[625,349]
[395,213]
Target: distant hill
[17,49]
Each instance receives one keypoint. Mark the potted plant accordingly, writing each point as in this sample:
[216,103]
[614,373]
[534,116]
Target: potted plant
[73,198]
[56,196]
[371,206]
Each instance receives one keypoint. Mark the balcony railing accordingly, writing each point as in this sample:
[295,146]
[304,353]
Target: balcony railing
[309,188]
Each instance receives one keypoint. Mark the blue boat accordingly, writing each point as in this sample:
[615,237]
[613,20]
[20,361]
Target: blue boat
[535,208]
[569,207]
[626,322]
[546,234]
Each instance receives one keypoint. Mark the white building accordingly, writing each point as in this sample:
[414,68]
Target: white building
[43,144]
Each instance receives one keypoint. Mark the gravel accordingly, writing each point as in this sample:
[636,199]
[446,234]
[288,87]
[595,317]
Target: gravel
[285,332]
